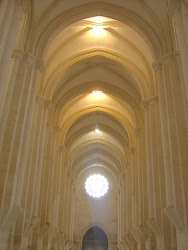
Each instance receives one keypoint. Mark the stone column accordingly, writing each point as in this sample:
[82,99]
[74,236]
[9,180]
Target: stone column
[62,191]
[50,190]
[174,127]
[133,152]
[140,144]
[119,213]
[129,198]
[59,178]
[153,162]
[17,55]
[185,17]
[32,179]
[10,245]
[45,177]
[140,232]
[60,185]
[15,140]
[55,232]
[148,161]
[72,211]
[11,13]
[27,107]
[33,155]
[45,209]
[64,198]
[126,201]
[122,206]
[16,58]
[129,241]
[29,221]
[68,204]
[176,16]
[45,105]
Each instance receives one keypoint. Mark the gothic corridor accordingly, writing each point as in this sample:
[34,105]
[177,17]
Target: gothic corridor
[93,124]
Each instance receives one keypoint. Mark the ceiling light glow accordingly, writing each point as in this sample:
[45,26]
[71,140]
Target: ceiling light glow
[96,185]
[99,19]
[97,130]
[97,93]
[97,30]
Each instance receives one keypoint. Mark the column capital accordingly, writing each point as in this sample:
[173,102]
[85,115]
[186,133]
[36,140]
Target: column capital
[22,5]
[19,8]
[53,127]
[29,59]
[174,8]
[60,148]
[153,99]
[165,59]
[132,150]
[157,66]
[17,54]
[168,58]
[138,130]
[145,104]
[48,104]
[40,99]
[57,129]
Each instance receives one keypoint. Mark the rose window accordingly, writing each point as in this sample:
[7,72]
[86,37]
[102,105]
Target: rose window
[96,185]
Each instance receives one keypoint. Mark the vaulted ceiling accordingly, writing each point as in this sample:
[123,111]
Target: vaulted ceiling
[105,46]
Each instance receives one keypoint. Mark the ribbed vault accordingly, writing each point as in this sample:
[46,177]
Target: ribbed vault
[97,53]
[93,87]
[80,59]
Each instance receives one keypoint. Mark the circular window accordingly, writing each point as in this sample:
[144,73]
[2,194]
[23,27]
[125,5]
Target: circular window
[96,185]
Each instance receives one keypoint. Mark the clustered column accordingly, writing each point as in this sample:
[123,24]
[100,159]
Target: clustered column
[174,126]
[155,175]
[16,117]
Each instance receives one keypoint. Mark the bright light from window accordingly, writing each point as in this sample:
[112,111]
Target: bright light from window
[97,130]
[96,185]
[98,19]
[97,93]
[97,30]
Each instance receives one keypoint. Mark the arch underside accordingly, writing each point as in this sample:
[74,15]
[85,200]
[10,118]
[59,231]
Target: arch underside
[118,62]
[93,87]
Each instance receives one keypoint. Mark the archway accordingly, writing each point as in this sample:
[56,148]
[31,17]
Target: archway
[95,239]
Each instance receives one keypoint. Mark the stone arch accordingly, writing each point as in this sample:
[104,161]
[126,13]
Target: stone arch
[103,9]
[136,73]
[111,172]
[104,109]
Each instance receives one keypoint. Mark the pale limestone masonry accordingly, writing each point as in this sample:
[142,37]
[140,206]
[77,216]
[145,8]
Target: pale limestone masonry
[53,54]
